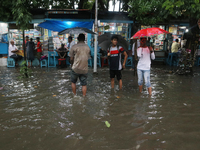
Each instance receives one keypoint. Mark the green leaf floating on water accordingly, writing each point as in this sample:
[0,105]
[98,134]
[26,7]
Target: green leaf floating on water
[107,124]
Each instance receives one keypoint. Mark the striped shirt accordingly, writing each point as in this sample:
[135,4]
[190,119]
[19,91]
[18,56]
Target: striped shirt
[115,58]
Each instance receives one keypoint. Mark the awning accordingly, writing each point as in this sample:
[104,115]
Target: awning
[62,25]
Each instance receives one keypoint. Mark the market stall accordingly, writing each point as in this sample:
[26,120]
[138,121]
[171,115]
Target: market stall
[17,36]
[52,27]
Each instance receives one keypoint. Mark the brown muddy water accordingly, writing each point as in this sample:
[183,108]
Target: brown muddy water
[41,113]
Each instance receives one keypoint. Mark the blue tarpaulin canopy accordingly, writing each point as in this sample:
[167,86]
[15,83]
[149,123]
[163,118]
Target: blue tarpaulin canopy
[62,25]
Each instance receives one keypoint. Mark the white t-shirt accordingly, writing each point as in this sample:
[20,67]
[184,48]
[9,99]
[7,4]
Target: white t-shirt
[70,44]
[12,48]
[133,48]
[145,57]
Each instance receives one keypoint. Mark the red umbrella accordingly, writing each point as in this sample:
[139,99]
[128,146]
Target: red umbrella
[149,32]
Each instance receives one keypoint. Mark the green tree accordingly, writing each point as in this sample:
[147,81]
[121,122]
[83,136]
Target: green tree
[189,9]
[146,12]
[5,12]
[20,10]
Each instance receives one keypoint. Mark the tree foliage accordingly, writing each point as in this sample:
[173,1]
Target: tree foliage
[5,12]
[143,11]
[146,12]
[20,10]
[151,12]
[186,8]
[189,9]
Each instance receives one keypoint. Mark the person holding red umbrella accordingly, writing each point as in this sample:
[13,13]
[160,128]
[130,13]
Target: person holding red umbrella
[145,54]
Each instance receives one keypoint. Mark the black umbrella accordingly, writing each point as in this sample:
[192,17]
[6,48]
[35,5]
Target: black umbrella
[104,41]
[76,30]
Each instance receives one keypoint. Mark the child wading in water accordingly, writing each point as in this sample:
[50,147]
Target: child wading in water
[114,53]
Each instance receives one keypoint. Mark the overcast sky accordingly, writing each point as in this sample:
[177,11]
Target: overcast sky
[111,6]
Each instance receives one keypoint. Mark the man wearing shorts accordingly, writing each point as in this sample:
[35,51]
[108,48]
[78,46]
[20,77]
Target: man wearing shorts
[79,55]
[114,53]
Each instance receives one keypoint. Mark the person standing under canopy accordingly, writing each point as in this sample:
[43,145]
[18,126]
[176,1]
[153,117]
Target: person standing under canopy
[30,47]
[70,42]
[26,39]
[175,46]
[39,48]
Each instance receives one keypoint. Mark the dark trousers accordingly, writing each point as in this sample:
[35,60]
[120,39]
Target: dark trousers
[16,57]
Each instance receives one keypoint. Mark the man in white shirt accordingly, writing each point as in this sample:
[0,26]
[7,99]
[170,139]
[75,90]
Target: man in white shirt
[12,51]
[70,43]
[145,54]
[175,46]
[134,48]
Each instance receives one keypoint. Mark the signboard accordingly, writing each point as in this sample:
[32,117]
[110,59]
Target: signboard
[14,26]
[62,12]
[45,34]
[173,30]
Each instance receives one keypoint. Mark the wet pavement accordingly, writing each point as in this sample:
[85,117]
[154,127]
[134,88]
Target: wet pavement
[41,113]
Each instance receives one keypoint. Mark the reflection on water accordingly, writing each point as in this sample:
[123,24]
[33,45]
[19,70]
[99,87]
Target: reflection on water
[41,113]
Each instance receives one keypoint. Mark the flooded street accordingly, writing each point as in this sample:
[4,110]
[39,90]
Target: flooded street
[41,113]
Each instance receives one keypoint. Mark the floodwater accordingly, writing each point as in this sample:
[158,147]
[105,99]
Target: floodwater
[41,113]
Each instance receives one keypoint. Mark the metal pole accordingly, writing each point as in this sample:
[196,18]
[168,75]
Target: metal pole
[24,48]
[95,37]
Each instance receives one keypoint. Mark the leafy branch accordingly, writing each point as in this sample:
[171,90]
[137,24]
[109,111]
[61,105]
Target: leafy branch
[24,70]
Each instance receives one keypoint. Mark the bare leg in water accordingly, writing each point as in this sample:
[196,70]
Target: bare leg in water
[140,88]
[112,83]
[84,90]
[120,84]
[150,90]
[74,88]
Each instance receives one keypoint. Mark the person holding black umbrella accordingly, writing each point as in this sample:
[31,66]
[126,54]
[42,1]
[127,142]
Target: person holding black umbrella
[114,54]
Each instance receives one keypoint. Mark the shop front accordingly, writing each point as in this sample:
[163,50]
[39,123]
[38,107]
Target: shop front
[162,43]
[113,28]
[17,35]
[3,39]
[52,27]
[112,22]
[53,41]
